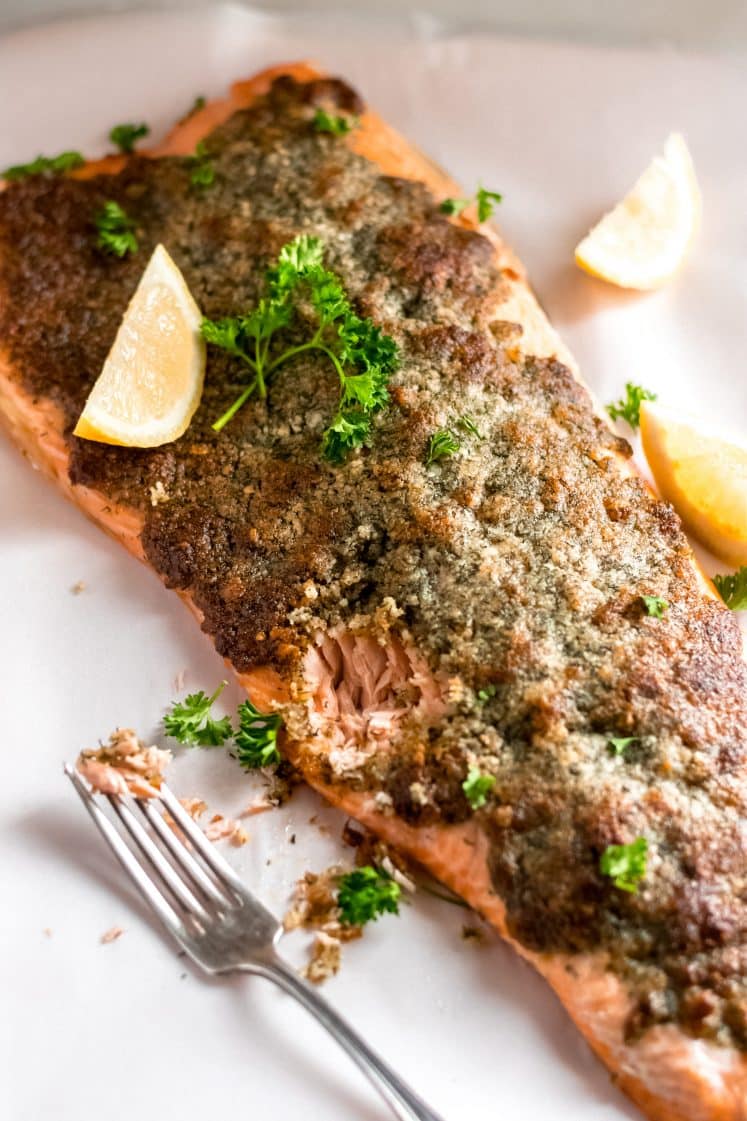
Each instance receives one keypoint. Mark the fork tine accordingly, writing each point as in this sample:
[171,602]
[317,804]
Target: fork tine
[212,858]
[181,854]
[157,860]
[148,889]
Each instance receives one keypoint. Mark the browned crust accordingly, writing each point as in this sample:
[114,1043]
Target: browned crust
[669,1075]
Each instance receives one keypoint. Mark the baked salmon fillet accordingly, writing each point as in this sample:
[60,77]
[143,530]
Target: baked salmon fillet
[412,621]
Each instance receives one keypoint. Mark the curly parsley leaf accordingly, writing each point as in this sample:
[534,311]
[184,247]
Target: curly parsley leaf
[335,124]
[203,172]
[441,445]
[256,739]
[366,893]
[629,407]
[476,788]
[732,587]
[124,136]
[454,206]
[190,721]
[655,606]
[484,694]
[620,744]
[44,165]
[485,201]
[116,232]
[468,425]
[625,864]
[362,356]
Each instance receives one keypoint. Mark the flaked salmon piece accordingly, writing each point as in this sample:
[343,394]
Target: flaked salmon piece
[485,612]
[124,765]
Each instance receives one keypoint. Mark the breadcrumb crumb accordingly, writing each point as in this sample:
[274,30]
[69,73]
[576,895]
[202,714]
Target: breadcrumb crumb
[158,493]
[226,829]
[112,934]
[78,587]
[326,956]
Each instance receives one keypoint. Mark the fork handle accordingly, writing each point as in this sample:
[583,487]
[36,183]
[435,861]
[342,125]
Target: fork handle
[404,1102]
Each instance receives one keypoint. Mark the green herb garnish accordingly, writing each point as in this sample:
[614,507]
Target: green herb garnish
[486,693]
[256,739]
[203,171]
[468,424]
[441,445]
[629,407]
[366,893]
[124,136]
[732,587]
[190,721]
[336,125]
[655,606]
[454,206]
[44,165]
[476,788]
[360,353]
[620,744]
[116,232]
[625,864]
[485,201]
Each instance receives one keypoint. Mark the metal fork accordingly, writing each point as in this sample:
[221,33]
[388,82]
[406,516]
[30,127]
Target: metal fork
[221,925]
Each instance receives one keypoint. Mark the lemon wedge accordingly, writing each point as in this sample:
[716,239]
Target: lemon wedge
[152,379]
[702,475]
[644,240]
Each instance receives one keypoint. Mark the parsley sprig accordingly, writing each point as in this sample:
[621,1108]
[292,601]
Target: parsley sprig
[655,606]
[362,356]
[486,202]
[620,744]
[116,232]
[366,893]
[625,864]
[335,124]
[256,739]
[732,587]
[124,136]
[629,407]
[203,171]
[441,445]
[190,720]
[476,787]
[44,165]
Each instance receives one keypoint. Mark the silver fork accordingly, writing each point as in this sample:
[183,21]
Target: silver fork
[221,925]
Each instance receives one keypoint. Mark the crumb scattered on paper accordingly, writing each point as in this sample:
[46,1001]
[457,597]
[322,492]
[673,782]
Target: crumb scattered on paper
[314,907]
[195,807]
[325,959]
[179,680]
[158,493]
[47,932]
[78,587]
[124,765]
[260,806]
[472,933]
[112,934]
[226,829]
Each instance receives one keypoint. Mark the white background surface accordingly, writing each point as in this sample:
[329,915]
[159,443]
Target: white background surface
[102,1033]
[715,24]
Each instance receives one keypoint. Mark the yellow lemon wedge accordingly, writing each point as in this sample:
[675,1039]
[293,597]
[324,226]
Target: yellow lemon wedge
[702,475]
[152,379]
[644,240]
